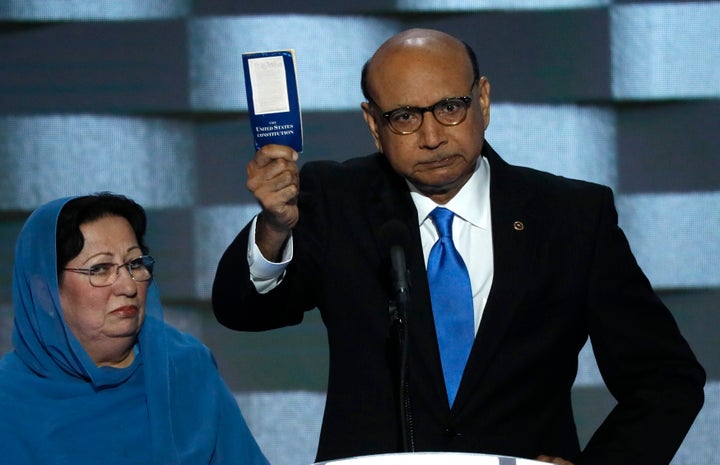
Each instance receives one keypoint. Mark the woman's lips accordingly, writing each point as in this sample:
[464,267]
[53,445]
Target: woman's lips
[126,311]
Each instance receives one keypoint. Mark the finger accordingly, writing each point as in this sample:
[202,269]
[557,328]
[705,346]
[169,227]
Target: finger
[273,177]
[273,169]
[277,200]
[268,153]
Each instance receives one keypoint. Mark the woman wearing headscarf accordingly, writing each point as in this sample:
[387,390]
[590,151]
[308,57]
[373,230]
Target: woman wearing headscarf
[96,375]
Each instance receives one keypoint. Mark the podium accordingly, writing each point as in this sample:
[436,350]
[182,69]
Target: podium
[431,458]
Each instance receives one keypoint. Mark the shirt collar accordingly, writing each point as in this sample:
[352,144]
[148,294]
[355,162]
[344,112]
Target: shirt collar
[471,203]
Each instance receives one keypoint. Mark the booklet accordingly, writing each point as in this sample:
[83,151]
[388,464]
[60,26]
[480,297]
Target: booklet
[272,97]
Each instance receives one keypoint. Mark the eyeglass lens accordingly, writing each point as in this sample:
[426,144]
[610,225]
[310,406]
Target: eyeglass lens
[140,270]
[448,112]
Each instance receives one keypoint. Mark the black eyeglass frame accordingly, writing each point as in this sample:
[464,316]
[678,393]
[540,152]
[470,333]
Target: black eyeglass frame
[147,261]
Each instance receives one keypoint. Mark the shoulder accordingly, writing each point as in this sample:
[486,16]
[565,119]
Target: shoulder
[370,161]
[184,343]
[350,180]
[554,184]
[185,350]
[542,186]
[353,168]
[564,205]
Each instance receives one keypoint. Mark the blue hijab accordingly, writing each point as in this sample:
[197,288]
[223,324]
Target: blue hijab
[170,406]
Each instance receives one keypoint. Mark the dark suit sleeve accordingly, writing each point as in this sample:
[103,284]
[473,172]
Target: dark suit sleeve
[235,301]
[645,362]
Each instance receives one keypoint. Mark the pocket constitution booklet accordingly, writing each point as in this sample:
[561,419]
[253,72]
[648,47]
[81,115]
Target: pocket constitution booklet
[272,97]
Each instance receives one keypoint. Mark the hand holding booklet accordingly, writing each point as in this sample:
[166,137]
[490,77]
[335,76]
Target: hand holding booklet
[272,97]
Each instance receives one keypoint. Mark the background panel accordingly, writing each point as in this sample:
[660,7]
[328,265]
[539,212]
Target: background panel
[669,146]
[536,56]
[570,140]
[93,66]
[45,10]
[49,156]
[320,7]
[217,45]
[462,5]
[667,50]
[674,237]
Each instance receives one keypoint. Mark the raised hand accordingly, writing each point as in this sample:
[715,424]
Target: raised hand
[274,181]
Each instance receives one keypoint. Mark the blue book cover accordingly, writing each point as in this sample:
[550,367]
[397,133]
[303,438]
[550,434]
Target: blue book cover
[272,97]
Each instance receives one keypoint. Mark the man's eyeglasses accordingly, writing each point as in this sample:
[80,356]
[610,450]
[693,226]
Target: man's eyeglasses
[448,112]
[105,274]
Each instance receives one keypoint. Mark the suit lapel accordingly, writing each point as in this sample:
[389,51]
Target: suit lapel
[512,227]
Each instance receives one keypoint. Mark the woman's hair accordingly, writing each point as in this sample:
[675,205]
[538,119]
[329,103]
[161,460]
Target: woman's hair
[82,210]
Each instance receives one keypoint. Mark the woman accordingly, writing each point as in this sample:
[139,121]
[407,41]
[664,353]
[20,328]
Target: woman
[96,376]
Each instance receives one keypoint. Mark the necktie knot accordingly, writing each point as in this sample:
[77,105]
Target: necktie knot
[443,219]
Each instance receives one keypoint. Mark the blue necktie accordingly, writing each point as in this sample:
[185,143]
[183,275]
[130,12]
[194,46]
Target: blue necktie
[452,303]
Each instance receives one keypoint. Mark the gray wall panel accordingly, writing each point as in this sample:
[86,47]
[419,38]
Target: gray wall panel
[89,66]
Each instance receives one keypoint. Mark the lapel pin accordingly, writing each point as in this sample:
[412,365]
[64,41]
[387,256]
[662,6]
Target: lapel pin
[518,225]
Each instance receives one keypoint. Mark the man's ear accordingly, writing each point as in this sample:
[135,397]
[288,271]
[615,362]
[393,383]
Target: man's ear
[372,124]
[484,99]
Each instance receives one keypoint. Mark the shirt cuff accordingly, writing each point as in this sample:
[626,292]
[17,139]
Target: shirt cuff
[264,274]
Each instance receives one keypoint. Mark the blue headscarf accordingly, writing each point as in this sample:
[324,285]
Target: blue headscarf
[170,406]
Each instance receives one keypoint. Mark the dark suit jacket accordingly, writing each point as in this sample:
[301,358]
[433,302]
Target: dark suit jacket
[566,274]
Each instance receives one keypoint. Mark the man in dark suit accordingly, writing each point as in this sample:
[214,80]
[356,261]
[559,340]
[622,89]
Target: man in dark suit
[548,267]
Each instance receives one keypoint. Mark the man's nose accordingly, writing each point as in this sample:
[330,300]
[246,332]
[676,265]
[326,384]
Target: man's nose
[432,133]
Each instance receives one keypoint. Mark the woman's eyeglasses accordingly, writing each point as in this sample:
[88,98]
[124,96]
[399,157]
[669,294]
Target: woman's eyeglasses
[105,274]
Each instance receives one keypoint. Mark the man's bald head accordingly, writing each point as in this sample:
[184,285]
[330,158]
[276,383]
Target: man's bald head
[414,41]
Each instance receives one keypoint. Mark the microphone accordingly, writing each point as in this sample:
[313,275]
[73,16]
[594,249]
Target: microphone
[395,236]
[400,275]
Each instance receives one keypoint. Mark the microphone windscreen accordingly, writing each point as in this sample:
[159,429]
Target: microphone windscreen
[395,238]
[394,233]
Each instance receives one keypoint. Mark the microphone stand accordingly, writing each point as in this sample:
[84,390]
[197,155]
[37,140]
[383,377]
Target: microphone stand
[398,309]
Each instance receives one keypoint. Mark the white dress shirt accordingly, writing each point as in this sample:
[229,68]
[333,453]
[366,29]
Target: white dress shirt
[472,235]
[471,228]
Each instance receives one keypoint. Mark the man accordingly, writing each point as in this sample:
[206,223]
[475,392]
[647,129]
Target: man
[547,268]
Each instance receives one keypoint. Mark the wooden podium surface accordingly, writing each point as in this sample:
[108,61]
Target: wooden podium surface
[431,458]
